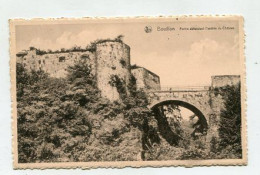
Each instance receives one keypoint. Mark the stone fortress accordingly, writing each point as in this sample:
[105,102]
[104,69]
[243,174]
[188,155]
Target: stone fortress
[107,59]
[111,58]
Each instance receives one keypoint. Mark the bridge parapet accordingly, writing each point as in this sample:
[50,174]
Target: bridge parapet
[181,88]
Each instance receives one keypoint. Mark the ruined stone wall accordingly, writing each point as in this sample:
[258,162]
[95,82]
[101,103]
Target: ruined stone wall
[29,61]
[112,59]
[217,102]
[224,80]
[145,79]
[152,81]
[218,82]
[139,76]
[55,64]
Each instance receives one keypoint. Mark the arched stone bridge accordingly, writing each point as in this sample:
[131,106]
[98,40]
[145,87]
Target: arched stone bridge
[204,101]
[197,99]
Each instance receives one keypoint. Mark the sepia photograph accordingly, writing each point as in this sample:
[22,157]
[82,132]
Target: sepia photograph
[120,92]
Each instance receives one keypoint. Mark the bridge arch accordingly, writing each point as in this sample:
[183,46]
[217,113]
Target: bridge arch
[164,129]
[196,110]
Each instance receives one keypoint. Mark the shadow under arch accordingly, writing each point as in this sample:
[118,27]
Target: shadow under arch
[163,126]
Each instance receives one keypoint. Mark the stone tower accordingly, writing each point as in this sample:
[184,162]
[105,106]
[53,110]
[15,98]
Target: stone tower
[112,59]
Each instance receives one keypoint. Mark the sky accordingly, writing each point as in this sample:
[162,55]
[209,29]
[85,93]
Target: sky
[179,57]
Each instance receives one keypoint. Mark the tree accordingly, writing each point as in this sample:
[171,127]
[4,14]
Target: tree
[230,119]
[119,38]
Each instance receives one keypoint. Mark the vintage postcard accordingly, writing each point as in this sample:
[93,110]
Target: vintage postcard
[118,92]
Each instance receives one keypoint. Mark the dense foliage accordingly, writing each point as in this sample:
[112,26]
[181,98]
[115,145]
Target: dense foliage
[230,122]
[68,120]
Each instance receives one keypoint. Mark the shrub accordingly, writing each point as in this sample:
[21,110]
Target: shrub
[230,120]
[68,120]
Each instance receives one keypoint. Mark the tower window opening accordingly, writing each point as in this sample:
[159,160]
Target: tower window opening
[62,59]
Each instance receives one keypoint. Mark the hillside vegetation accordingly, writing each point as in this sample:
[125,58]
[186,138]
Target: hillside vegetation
[68,120]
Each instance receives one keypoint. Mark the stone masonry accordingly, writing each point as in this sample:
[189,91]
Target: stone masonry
[110,58]
[204,101]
